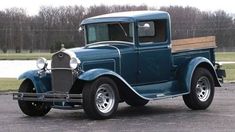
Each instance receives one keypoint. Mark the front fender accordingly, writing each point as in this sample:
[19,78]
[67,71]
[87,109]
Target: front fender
[42,83]
[125,87]
[186,72]
[95,73]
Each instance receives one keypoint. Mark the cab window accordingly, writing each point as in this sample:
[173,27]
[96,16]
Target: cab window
[151,32]
[109,32]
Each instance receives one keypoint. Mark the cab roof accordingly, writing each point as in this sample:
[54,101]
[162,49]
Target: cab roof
[130,16]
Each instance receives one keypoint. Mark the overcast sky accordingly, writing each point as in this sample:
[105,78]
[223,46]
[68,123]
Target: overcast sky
[32,6]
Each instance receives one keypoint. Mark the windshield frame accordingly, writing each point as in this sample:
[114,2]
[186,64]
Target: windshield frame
[102,42]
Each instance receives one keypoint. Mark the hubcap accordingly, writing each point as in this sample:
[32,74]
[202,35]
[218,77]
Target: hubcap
[203,89]
[104,98]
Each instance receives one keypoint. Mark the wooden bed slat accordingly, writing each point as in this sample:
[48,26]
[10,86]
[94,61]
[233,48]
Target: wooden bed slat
[193,43]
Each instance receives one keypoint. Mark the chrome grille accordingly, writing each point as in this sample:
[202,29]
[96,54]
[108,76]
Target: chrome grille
[62,78]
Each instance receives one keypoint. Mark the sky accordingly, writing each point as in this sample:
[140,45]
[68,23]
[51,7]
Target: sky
[32,6]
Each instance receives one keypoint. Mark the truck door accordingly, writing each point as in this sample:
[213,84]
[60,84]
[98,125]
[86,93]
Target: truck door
[155,60]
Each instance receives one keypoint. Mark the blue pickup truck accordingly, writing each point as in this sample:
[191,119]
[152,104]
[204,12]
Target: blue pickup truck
[128,57]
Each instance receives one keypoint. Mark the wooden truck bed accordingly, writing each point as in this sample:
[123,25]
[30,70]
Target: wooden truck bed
[193,44]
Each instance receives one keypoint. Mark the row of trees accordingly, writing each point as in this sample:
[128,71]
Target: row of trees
[191,22]
[53,26]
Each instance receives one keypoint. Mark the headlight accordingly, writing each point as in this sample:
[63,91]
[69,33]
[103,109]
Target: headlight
[41,63]
[74,62]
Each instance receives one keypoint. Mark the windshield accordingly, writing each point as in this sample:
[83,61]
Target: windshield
[109,32]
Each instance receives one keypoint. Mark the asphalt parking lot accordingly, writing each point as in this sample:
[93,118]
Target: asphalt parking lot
[161,115]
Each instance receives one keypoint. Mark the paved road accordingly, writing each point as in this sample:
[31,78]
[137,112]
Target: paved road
[162,115]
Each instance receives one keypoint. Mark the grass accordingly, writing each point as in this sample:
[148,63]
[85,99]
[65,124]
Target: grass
[230,72]
[220,56]
[9,84]
[24,56]
[225,56]
[12,84]
[229,68]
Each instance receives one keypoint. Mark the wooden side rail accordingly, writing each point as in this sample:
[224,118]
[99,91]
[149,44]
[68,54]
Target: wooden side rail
[193,44]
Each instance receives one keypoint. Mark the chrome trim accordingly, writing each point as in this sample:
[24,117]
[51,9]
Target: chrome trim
[157,98]
[75,107]
[104,98]
[62,77]
[70,53]
[44,61]
[159,47]
[169,46]
[203,89]
[60,69]
[105,43]
[48,97]
[85,34]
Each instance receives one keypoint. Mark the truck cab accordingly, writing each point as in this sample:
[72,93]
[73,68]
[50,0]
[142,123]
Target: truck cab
[149,37]
[128,57]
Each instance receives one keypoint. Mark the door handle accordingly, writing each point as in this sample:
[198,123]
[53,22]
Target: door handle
[169,46]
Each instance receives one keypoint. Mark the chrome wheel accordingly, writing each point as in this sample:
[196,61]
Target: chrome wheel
[203,89]
[105,98]
[100,98]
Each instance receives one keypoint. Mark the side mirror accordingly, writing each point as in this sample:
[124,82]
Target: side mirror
[80,29]
[145,26]
[146,29]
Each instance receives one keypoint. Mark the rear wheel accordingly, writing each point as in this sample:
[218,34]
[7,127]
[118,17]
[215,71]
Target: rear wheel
[32,108]
[202,90]
[100,98]
[137,102]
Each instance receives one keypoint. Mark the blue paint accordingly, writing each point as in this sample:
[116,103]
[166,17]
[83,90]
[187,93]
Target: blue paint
[186,72]
[127,17]
[95,73]
[42,84]
[149,71]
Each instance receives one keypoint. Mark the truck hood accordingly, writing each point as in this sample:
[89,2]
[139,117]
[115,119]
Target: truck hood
[101,52]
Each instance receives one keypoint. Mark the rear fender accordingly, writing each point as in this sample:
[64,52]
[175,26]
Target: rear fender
[125,89]
[185,73]
[42,82]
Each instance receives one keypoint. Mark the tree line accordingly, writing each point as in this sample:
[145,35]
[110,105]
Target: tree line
[53,26]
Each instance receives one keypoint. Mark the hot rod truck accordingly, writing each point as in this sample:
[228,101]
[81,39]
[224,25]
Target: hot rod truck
[128,57]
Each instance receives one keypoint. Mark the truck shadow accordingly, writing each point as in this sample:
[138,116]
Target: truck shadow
[123,112]
[148,110]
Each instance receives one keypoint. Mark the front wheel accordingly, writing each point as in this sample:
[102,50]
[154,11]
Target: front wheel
[202,90]
[32,108]
[100,98]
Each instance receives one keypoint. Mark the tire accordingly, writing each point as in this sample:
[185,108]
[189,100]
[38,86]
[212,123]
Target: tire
[202,90]
[32,108]
[100,98]
[137,102]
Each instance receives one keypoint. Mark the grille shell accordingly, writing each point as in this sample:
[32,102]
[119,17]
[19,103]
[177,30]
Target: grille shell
[61,73]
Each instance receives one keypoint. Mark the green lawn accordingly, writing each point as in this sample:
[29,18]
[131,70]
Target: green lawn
[225,56]
[229,68]
[24,56]
[9,84]
[230,72]
[220,56]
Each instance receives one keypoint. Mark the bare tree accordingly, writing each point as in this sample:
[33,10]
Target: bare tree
[55,25]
